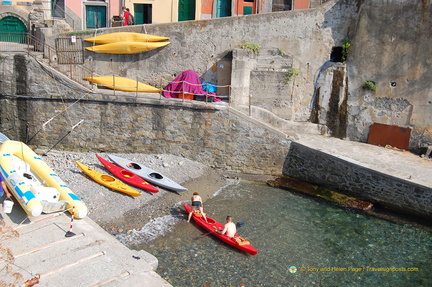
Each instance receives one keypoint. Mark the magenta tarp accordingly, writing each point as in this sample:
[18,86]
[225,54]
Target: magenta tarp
[188,82]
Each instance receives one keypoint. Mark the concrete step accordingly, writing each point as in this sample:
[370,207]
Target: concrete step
[290,128]
[91,257]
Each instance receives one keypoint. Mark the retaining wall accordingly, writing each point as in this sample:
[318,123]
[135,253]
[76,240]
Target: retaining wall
[215,135]
[394,193]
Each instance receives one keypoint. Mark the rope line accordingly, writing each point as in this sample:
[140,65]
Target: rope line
[52,118]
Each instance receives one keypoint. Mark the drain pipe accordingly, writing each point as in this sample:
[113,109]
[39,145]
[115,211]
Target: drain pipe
[313,101]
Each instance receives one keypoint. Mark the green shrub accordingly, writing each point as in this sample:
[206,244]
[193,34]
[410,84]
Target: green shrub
[370,85]
[290,75]
[253,48]
[345,48]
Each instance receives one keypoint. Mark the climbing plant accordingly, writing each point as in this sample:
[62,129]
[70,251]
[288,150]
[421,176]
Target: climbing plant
[370,85]
[253,48]
[281,52]
[78,33]
[291,74]
[345,48]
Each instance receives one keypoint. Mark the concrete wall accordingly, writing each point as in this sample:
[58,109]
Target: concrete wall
[312,165]
[391,46]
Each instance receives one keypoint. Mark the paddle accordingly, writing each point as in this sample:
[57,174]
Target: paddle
[238,224]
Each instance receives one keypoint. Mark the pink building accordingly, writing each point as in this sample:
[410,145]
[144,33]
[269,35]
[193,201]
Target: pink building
[25,16]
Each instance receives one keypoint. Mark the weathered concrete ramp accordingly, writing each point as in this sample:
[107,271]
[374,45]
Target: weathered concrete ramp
[91,257]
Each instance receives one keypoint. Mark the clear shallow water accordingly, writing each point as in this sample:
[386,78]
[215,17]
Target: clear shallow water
[328,245]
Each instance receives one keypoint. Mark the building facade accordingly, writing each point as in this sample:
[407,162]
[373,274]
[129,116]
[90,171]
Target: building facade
[31,16]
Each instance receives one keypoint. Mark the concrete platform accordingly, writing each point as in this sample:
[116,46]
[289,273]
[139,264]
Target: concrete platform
[91,257]
[393,162]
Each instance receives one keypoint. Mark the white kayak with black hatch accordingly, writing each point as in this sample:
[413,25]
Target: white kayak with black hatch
[147,173]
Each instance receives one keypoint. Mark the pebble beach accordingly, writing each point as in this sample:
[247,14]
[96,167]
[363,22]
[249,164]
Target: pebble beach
[117,212]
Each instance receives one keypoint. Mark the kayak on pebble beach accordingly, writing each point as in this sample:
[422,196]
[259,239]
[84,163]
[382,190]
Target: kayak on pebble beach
[127,176]
[107,180]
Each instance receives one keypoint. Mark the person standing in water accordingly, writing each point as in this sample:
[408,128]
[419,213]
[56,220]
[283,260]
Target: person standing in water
[197,205]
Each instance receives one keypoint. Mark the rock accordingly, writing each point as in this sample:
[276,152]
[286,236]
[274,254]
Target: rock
[329,195]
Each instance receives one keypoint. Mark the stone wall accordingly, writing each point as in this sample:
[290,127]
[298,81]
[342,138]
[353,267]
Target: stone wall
[323,169]
[388,52]
[391,53]
[301,39]
[215,135]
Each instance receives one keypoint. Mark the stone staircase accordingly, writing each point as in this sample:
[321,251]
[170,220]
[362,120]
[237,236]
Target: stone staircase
[290,128]
[58,26]
[48,249]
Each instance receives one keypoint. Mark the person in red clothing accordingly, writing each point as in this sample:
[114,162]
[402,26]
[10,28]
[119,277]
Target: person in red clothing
[125,16]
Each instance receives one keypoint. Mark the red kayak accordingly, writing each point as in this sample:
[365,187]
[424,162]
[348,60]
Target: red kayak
[212,225]
[127,176]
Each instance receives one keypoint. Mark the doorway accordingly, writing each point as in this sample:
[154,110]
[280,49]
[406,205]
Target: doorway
[96,17]
[12,29]
[143,13]
[186,10]
[58,8]
[223,8]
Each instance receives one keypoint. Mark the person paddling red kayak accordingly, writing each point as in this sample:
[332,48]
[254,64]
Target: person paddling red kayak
[216,229]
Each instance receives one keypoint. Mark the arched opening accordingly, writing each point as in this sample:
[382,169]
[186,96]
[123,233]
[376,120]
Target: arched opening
[12,29]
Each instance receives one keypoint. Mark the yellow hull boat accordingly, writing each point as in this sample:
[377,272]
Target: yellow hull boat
[107,180]
[34,184]
[122,84]
[127,47]
[125,37]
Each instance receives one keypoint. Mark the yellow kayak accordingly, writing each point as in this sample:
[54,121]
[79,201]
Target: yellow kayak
[127,47]
[107,180]
[122,84]
[125,37]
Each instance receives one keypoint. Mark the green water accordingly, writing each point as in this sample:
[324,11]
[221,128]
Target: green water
[327,245]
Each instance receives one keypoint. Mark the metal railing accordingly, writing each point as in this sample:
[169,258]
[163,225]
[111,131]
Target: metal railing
[116,84]
[62,15]
[26,43]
